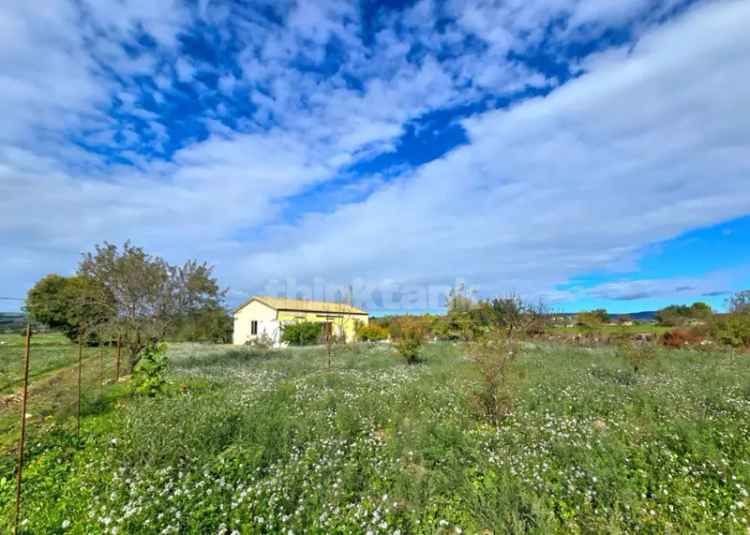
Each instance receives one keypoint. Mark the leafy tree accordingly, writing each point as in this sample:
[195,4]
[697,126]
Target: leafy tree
[673,315]
[512,315]
[701,310]
[71,304]
[455,326]
[676,315]
[150,296]
[302,333]
[732,329]
[206,325]
[592,319]
[459,301]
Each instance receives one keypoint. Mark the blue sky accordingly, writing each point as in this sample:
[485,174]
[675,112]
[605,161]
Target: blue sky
[590,154]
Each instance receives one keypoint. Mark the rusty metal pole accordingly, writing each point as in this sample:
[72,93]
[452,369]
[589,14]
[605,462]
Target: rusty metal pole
[119,349]
[22,442]
[78,406]
[101,368]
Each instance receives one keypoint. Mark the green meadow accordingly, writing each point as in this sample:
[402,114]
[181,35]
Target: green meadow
[275,441]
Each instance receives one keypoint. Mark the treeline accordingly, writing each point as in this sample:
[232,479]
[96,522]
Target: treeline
[127,294]
[468,320]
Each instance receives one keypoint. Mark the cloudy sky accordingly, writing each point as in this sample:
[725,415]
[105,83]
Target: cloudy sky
[590,153]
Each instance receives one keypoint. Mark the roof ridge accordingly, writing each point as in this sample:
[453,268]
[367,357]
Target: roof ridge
[302,304]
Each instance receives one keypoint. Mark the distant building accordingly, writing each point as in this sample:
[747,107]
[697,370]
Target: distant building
[264,317]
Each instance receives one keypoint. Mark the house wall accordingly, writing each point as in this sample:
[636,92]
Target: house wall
[271,322]
[342,323]
[257,311]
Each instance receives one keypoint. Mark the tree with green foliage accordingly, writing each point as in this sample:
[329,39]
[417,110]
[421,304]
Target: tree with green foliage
[511,314]
[150,296]
[733,329]
[459,300]
[592,318]
[455,326]
[302,333]
[205,325]
[75,305]
[701,310]
[677,315]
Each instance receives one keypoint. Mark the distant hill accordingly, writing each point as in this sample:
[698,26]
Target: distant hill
[10,321]
[646,315]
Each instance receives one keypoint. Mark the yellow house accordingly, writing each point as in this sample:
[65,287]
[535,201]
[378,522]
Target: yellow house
[265,317]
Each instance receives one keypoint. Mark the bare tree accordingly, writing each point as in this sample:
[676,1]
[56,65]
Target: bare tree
[739,303]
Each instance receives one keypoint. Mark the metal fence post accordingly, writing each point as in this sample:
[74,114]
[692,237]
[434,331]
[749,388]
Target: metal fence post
[22,442]
[78,407]
[119,349]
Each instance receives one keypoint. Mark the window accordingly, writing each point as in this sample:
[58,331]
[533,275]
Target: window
[253,328]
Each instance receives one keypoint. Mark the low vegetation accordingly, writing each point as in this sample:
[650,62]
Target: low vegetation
[372,332]
[409,340]
[479,421]
[303,333]
[248,441]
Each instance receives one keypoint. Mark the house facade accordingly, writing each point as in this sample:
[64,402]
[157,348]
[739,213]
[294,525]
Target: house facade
[264,318]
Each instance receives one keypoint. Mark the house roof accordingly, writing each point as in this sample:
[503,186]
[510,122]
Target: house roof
[303,305]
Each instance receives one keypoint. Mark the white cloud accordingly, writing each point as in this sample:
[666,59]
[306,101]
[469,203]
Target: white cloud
[625,155]
[638,150]
[717,283]
[185,70]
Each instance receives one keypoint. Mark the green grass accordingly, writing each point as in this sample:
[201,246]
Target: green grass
[49,352]
[53,379]
[645,328]
[266,442]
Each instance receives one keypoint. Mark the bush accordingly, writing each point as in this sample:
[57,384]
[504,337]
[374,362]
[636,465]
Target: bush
[409,342]
[303,333]
[676,315]
[493,355]
[455,326]
[371,333]
[149,376]
[637,354]
[677,338]
[732,329]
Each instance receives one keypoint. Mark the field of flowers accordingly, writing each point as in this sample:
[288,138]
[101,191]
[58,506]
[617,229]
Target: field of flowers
[276,442]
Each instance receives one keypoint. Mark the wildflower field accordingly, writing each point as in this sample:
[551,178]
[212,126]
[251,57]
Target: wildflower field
[251,441]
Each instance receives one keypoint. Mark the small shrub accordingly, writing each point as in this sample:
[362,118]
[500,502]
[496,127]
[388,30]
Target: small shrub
[493,355]
[732,329]
[637,354]
[149,375]
[371,333]
[678,338]
[409,342]
[303,333]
